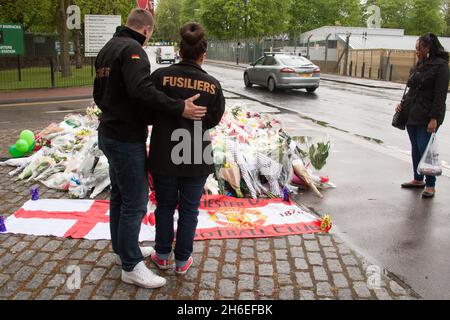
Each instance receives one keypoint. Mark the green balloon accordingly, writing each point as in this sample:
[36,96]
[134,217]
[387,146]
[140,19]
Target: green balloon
[14,152]
[22,146]
[32,147]
[28,136]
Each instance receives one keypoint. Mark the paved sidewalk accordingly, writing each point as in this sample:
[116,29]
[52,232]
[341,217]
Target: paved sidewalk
[295,267]
[309,267]
[42,95]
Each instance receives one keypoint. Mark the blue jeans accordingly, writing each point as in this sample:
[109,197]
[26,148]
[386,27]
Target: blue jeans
[184,193]
[129,197]
[419,141]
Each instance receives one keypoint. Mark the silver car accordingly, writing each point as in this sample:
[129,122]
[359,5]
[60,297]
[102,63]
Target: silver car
[282,70]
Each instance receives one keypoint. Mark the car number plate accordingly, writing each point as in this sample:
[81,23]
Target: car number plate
[305,75]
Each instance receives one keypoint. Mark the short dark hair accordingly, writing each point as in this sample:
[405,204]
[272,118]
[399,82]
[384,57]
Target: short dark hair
[193,41]
[139,19]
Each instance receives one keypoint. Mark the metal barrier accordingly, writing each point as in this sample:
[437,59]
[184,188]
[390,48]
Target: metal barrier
[244,51]
[42,72]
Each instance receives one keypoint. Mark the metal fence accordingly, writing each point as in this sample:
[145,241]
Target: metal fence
[40,67]
[244,51]
[22,72]
[392,65]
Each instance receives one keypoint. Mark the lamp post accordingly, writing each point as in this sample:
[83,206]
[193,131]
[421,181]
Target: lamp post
[363,71]
[347,48]
[307,46]
[326,50]
[238,31]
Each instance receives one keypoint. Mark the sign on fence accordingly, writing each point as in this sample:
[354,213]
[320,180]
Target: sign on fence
[99,29]
[11,40]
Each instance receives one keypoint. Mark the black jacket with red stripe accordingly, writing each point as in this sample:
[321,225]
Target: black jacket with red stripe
[123,90]
[181,147]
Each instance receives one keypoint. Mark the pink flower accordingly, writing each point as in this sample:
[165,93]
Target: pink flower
[324,179]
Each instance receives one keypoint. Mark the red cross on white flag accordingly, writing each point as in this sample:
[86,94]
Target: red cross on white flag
[220,218]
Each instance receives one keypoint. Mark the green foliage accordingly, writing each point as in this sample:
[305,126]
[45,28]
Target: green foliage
[446,13]
[118,7]
[415,16]
[306,15]
[41,15]
[34,15]
[394,13]
[168,20]
[318,154]
[239,19]
[425,16]
[190,11]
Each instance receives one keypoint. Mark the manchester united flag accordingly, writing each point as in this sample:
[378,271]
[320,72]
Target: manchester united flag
[220,218]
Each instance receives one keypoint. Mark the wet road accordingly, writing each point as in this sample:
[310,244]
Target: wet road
[361,111]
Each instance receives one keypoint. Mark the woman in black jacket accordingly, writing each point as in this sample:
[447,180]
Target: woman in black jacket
[181,158]
[425,103]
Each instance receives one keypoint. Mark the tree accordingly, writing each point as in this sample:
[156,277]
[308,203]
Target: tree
[119,7]
[33,15]
[425,16]
[306,15]
[64,37]
[446,12]
[219,18]
[190,11]
[415,16]
[168,20]
[394,13]
[244,18]
[267,18]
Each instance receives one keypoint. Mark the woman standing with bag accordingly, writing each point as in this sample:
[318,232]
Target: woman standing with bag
[425,104]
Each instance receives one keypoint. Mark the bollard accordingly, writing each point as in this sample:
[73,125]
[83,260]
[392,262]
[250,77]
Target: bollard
[52,73]
[19,68]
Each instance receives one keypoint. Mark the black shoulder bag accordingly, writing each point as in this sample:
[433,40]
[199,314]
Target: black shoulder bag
[400,119]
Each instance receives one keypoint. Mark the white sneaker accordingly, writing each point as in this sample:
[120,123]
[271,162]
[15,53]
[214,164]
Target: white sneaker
[146,252]
[143,277]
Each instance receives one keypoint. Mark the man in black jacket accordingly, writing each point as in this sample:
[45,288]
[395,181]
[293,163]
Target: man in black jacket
[124,93]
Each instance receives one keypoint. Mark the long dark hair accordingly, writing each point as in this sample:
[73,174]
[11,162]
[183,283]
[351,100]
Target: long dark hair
[193,41]
[431,41]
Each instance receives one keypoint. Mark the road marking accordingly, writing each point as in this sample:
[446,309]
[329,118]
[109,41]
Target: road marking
[42,103]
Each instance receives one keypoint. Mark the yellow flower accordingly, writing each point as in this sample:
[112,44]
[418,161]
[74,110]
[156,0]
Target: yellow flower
[327,223]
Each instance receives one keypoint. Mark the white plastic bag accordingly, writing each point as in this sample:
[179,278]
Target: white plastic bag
[430,165]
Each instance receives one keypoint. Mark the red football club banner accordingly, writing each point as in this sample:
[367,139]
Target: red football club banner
[146,5]
[220,218]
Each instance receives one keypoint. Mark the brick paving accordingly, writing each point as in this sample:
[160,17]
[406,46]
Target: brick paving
[306,267]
